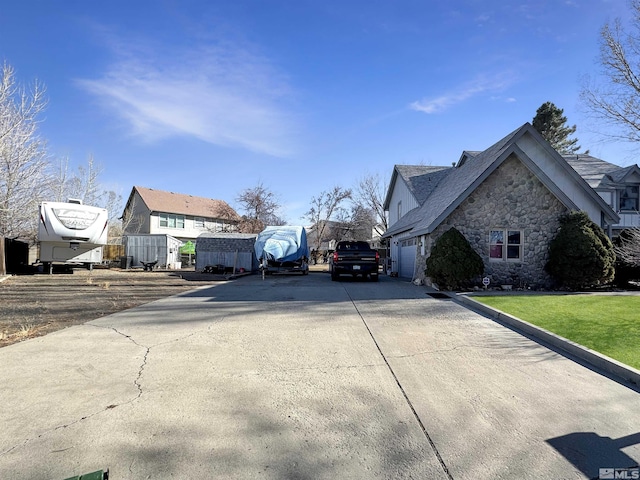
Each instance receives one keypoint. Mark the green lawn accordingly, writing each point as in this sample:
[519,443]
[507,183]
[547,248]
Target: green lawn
[609,324]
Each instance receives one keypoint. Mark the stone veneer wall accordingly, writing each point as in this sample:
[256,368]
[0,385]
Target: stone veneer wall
[510,198]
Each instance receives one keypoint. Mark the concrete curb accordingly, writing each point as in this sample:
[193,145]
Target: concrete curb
[590,357]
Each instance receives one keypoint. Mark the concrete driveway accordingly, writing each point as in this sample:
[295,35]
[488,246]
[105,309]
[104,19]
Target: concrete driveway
[298,377]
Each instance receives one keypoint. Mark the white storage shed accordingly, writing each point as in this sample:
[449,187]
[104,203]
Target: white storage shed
[147,248]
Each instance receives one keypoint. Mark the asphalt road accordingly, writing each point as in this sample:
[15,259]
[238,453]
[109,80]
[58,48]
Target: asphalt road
[298,377]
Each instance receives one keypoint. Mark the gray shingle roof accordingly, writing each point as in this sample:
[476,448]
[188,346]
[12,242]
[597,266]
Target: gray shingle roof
[592,169]
[472,169]
[460,181]
[619,175]
[421,180]
[405,223]
[599,173]
[230,235]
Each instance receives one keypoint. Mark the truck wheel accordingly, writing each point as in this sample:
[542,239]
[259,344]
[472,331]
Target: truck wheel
[374,277]
[334,276]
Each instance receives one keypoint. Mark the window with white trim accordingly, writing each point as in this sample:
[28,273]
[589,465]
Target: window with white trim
[171,220]
[629,198]
[198,222]
[505,245]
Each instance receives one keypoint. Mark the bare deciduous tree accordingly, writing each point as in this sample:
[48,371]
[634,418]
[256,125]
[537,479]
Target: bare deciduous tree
[370,192]
[628,248]
[131,220]
[260,206]
[228,217]
[323,208]
[84,185]
[355,224]
[23,161]
[616,102]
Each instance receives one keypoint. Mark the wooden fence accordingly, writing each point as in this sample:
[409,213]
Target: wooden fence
[112,252]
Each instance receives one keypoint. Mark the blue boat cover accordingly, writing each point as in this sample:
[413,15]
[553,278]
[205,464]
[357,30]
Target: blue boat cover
[282,244]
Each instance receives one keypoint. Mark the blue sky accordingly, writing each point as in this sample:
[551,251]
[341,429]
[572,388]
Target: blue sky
[212,97]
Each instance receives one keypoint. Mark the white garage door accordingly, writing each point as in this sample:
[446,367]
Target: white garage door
[407,257]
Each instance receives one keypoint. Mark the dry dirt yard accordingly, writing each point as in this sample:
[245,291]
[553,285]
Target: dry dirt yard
[34,305]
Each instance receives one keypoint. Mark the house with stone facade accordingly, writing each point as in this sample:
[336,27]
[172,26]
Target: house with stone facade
[505,200]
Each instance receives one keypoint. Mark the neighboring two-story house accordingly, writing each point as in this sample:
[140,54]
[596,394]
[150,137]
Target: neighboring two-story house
[618,186]
[150,211]
[505,200]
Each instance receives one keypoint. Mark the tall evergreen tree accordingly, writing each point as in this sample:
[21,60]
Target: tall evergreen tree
[551,124]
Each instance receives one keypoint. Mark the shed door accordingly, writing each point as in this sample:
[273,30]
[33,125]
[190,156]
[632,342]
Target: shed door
[407,257]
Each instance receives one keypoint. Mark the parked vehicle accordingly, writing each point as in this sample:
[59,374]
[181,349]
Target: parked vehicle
[282,249]
[71,233]
[354,258]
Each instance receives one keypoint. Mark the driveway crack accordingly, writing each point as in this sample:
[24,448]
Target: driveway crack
[136,382]
[443,465]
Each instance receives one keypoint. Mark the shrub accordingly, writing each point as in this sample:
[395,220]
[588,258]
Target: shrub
[453,263]
[581,255]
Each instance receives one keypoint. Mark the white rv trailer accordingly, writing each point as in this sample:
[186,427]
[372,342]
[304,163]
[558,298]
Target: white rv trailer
[71,233]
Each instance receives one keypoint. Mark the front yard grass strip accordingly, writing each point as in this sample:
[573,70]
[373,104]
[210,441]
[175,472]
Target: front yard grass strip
[608,324]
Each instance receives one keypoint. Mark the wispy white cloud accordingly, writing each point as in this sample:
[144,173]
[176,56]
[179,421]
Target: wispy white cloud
[482,18]
[480,85]
[220,93]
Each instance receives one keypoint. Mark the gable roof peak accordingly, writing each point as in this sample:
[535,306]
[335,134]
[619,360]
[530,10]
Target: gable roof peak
[184,204]
[473,169]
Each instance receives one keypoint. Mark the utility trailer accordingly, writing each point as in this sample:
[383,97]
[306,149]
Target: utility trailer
[71,233]
[282,249]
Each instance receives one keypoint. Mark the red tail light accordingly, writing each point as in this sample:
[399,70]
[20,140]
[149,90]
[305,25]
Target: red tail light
[335,257]
[377,257]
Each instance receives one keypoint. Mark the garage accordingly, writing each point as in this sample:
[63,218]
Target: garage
[407,257]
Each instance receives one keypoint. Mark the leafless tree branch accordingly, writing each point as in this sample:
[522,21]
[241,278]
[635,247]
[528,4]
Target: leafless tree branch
[616,100]
[23,160]
[628,249]
[323,209]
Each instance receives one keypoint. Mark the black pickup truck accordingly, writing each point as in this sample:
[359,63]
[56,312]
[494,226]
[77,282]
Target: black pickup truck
[354,258]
